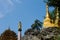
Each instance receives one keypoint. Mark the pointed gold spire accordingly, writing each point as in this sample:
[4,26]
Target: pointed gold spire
[47,11]
[57,18]
[47,21]
[19,26]
[57,14]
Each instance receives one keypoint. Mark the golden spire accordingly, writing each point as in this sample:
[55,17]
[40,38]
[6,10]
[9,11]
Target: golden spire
[57,14]
[47,21]
[47,11]
[19,26]
[57,18]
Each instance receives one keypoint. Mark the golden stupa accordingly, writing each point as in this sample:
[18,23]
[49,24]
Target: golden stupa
[48,22]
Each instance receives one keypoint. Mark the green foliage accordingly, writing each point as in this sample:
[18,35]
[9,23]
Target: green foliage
[8,35]
[53,2]
[35,28]
[37,25]
[53,14]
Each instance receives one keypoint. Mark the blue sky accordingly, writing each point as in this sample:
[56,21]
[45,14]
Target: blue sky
[26,11]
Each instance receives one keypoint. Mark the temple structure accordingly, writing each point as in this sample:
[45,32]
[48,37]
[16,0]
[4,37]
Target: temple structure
[48,21]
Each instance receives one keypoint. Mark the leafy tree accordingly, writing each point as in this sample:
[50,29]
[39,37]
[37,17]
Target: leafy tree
[8,35]
[37,25]
[53,14]
[53,2]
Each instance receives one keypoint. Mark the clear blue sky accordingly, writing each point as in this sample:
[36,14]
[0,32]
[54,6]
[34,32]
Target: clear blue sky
[26,11]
